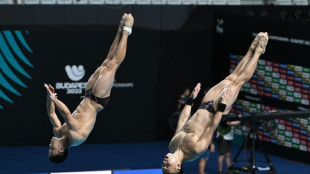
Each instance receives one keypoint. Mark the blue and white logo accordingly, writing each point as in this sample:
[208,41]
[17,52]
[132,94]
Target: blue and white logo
[11,55]
[75,73]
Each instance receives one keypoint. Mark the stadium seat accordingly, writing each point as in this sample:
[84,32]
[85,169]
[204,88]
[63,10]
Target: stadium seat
[80,1]
[284,2]
[64,1]
[204,2]
[189,2]
[48,1]
[233,2]
[300,2]
[144,2]
[96,2]
[31,1]
[174,2]
[158,2]
[112,1]
[128,1]
[219,2]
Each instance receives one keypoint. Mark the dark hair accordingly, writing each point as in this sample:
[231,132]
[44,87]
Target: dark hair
[59,158]
[179,172]
[171,173]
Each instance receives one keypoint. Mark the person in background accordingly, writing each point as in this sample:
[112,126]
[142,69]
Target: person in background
[204,158]
[224,136]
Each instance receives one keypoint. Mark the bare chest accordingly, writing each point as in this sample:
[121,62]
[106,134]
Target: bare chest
[85,114]
[191,138]
[188,143]
[76,137]
[197,124]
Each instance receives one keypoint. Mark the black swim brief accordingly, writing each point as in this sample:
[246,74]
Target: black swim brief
[208,106]
[102,101]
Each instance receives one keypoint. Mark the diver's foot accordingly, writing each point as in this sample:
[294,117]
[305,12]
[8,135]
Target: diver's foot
[263,41]
[128,24]
[122,22]
[254,43]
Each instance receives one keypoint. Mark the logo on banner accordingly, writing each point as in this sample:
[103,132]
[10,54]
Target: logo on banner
[75,73]
[122,85]
[12,60]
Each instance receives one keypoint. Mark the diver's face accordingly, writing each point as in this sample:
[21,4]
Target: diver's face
[170,164]
[55,146]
